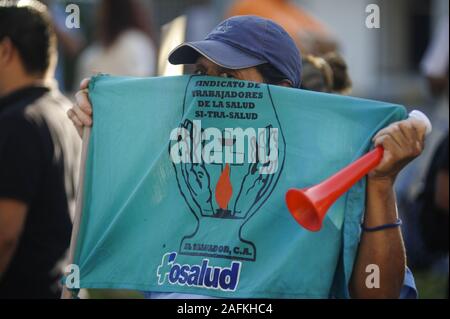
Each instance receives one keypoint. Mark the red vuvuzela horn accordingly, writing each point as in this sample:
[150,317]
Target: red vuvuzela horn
[309,206]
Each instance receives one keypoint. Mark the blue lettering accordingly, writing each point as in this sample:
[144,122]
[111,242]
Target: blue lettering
[204,275]
[183,274]
[194,276]
[228,277]
[174,273]
[214,282]
[202,272]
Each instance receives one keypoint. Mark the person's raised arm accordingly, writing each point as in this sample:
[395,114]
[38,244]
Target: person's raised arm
[12,220]
[402,142]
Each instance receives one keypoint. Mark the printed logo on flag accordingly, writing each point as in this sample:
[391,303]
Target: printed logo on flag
[228,158]
[202,275]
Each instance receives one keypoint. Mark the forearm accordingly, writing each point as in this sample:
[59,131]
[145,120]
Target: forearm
[382,248]
[12,220]
[6,253]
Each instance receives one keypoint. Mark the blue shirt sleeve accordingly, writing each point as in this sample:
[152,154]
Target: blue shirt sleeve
[409,290]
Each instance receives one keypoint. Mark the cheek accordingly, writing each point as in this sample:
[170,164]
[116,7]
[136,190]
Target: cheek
[250,74]
[257,77]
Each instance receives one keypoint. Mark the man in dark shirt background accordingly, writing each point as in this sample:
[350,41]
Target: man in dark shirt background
[38,156]
[434,206]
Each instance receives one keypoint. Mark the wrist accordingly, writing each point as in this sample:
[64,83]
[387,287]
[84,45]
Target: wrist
[381,227]
[380,207]
[382,183]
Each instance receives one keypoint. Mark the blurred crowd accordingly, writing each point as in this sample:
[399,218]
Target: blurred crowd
[121,37]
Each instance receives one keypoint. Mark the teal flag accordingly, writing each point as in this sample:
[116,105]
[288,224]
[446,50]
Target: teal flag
[185,184]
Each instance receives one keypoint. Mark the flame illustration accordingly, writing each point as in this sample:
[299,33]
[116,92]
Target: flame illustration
[224,189]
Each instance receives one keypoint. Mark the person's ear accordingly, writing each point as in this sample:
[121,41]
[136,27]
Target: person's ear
[6,51]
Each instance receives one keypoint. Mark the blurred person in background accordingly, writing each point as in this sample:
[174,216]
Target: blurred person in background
[310,35]
[38,155]
[327,73]
[124,44]
[434,204]
[425,228]
[342,83]
[434,67]
[70,42]
[435,62]
[201,17]
[317,74]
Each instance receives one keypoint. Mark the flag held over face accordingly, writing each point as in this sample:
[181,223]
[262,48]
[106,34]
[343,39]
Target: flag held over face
[185,182]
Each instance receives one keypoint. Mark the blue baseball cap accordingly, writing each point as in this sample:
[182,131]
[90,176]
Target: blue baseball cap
[243,42]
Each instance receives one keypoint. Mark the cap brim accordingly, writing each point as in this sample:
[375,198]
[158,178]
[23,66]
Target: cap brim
[218,52]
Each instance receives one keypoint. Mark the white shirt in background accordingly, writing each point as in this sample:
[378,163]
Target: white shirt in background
[132,54]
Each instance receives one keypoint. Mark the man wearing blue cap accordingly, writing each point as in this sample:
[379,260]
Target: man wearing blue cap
[255,49]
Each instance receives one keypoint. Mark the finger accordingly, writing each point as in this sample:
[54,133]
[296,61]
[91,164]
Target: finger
[388,129]
[73,117]
[420,127]
[83,102]
[199,172]
[415,135]
[267,141]
[390,149]
[185,172]
[252,168]
[415,140]
[79,131]
[85,119]
[383,131]
[393,136]
[401,135]
[194,181]
[409,130]
[187,125]
[84,84]
[253,155]
[389,145]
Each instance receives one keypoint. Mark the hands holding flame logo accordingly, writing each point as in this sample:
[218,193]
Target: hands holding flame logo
[221,190]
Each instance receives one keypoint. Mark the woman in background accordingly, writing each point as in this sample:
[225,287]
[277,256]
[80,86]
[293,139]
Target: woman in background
[124,45]
[327,73]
